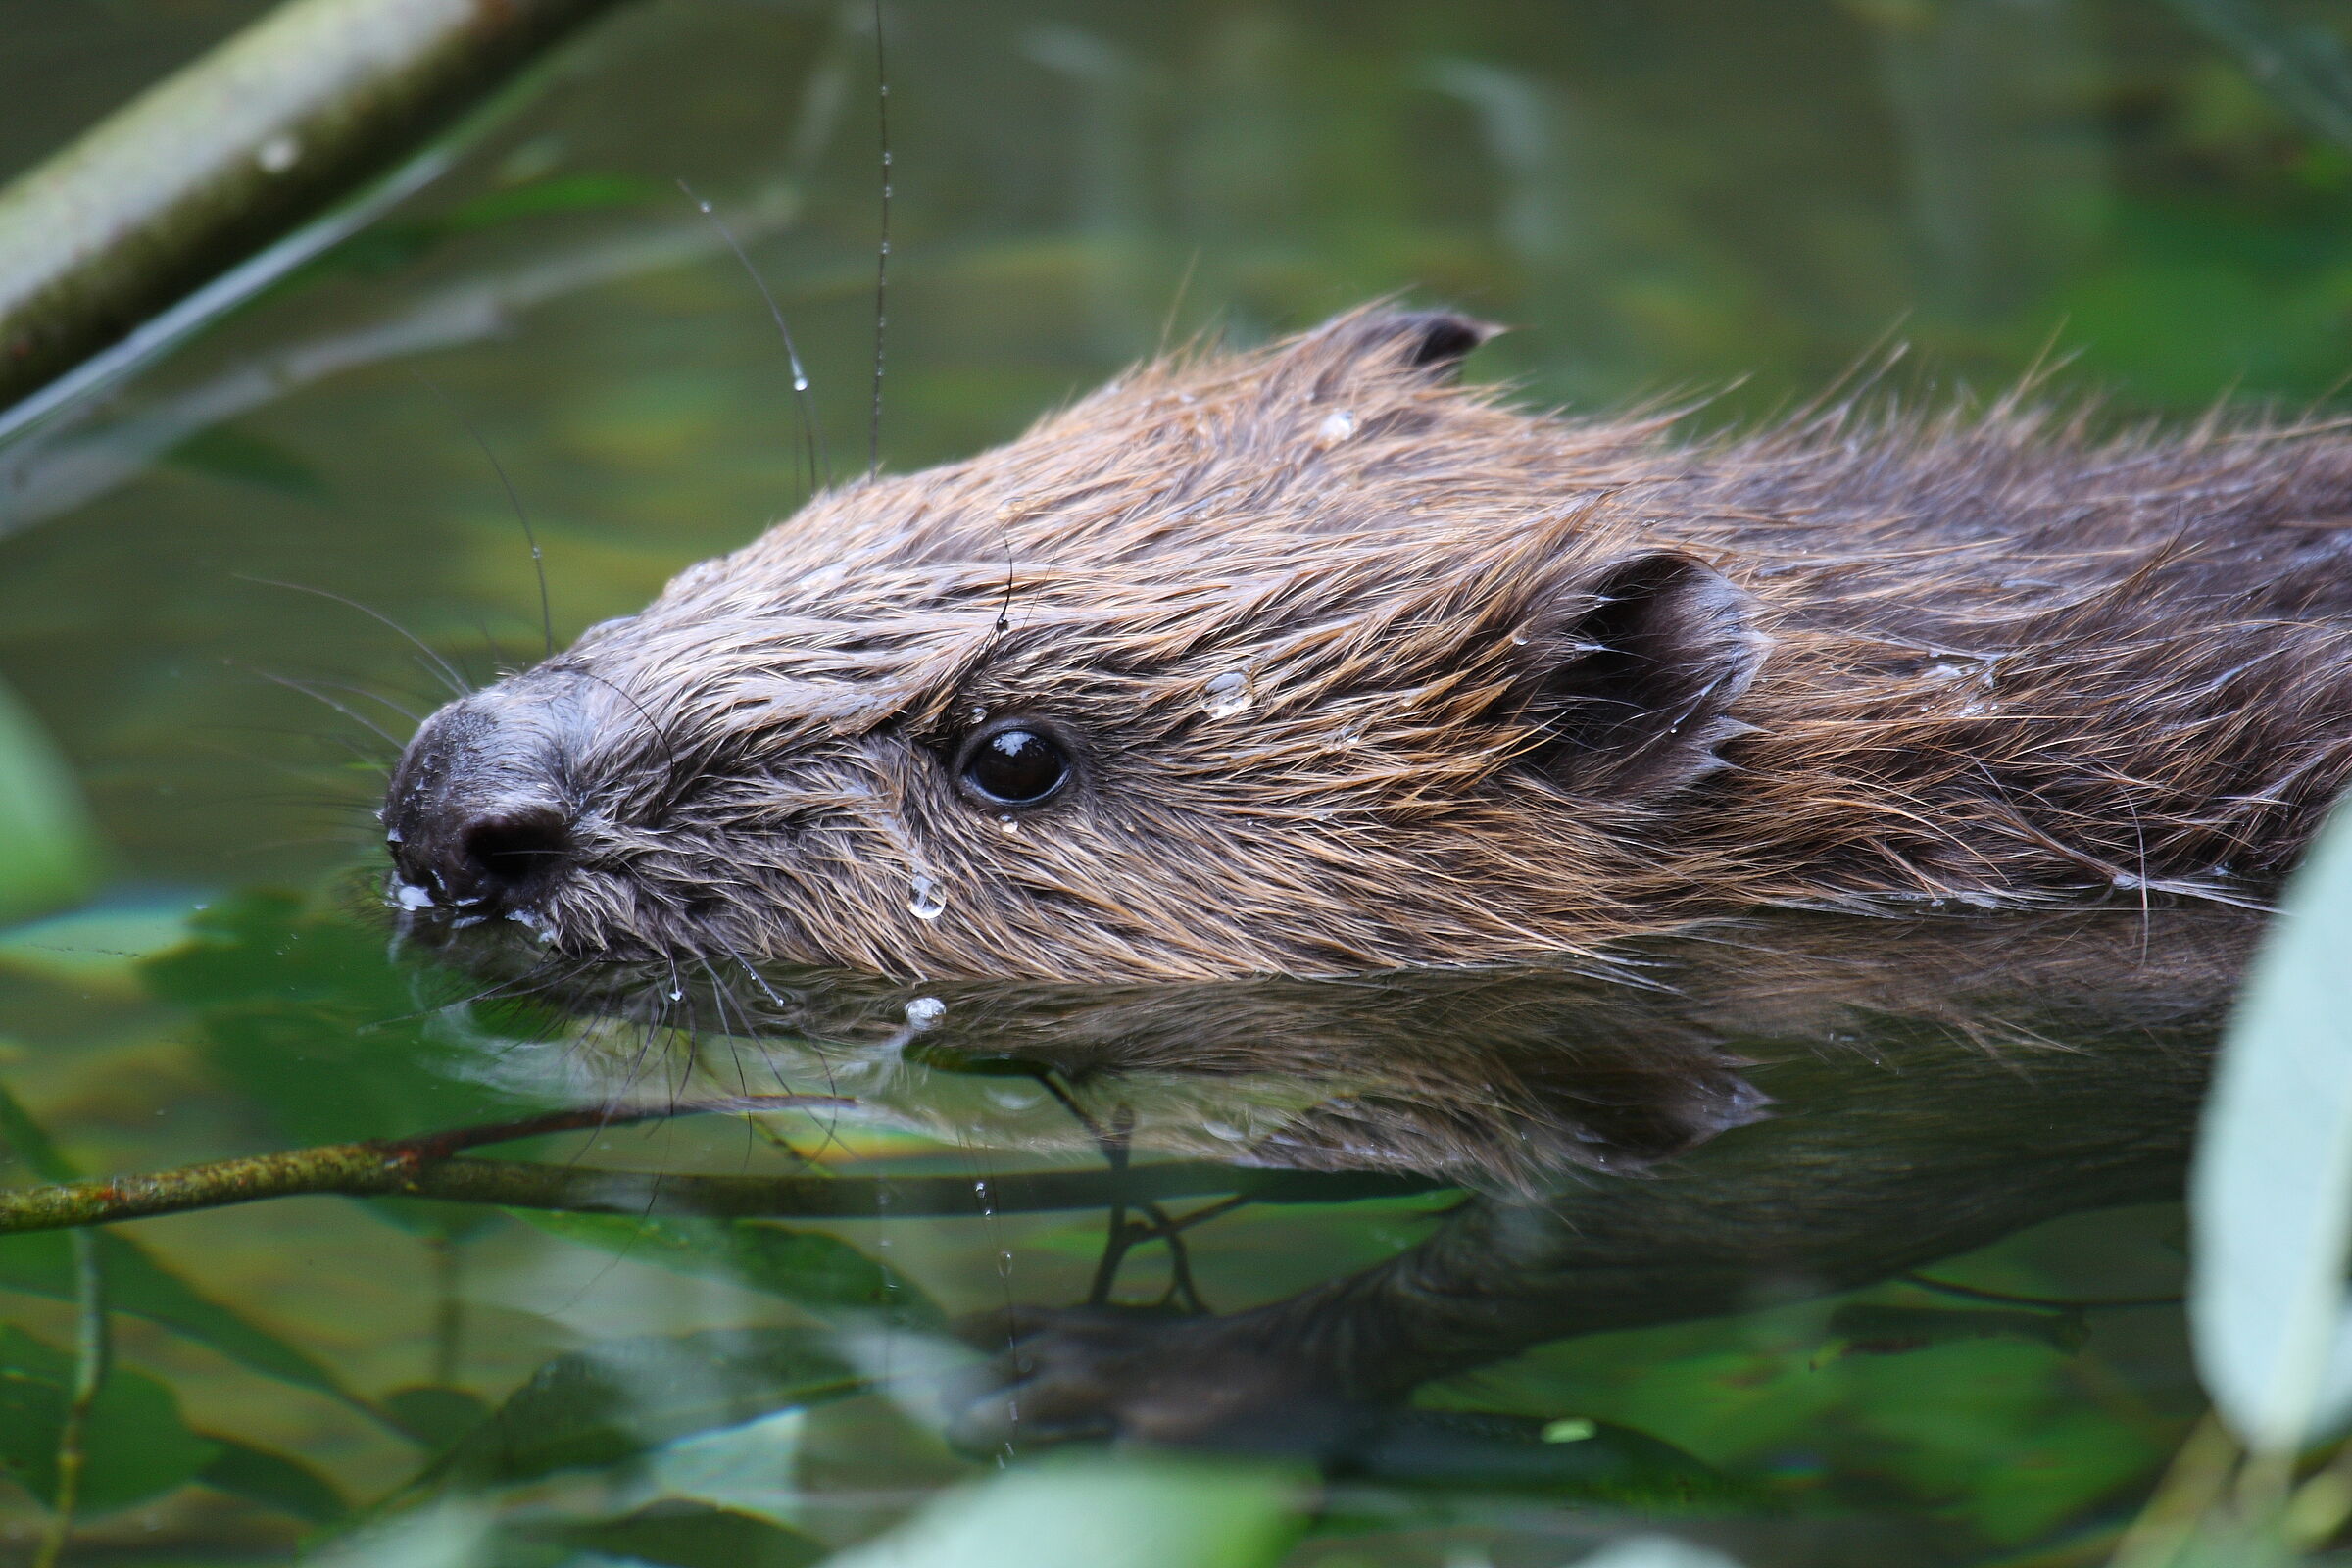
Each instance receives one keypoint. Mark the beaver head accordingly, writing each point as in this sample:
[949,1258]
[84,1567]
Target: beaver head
[1305,660]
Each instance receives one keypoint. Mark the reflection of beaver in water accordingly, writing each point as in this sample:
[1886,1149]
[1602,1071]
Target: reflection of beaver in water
[1307,661]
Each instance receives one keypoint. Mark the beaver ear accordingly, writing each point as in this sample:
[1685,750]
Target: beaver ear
[1637,675]
[1433,342]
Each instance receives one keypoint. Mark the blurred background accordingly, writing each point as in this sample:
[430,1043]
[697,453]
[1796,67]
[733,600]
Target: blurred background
[2150,204]
[1664,197]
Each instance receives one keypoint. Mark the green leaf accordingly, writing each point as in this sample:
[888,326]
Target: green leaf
[2270,1187]
[96,948]
[42,1263]
[1099,1512]
[226,452]
[613,1402]
[273,1479]
[1591,1460]
[807,1268]
[48,847]
[304,1014]
[435,1417]
[28,1143]
[692,1535]
[135,1446]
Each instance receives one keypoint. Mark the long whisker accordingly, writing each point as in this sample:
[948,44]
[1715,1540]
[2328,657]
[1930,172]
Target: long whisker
[873,435]
[293,685]
[820,454]
[457,684]
[530,535]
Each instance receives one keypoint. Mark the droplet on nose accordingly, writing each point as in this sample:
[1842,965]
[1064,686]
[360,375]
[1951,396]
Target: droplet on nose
[500,861]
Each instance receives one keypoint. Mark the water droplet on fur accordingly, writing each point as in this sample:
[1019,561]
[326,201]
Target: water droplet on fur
[1010,824]
[1224,1131]
[677,994]
[978,714]
[408,895]
[1226,695]
[925,1011]
[926,898]
[1336,427]
[391,834]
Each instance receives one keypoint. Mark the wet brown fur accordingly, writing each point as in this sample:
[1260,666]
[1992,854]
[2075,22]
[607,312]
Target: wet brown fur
[1987,660]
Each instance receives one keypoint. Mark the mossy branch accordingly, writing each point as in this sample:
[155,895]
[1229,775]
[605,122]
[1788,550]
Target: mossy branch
[430,1166]
[249,142]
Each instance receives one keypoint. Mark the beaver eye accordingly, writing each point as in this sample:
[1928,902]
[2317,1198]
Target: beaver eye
[1016,767]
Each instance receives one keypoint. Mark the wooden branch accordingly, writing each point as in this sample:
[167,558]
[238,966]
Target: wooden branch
[428,1167]
[250,140]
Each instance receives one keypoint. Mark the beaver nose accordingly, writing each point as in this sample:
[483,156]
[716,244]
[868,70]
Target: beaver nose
[474,822]
[490,862]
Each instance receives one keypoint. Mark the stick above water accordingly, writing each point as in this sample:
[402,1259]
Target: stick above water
[248,142]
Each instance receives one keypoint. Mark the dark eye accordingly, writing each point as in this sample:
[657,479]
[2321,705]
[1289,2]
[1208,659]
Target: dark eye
[1016,767]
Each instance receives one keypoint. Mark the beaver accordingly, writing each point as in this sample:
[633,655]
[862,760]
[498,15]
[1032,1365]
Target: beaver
[1312,659]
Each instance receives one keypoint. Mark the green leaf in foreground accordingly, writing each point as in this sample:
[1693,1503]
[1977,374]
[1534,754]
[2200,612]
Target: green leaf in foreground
[1099,1512]
[134,1446]
[613,1402]
[692,1535]
[25,1141]
[808,1268]
[2271,1189]
[42,1263]
[48,848]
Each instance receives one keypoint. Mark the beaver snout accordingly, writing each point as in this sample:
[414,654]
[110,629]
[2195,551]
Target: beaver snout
[475,821]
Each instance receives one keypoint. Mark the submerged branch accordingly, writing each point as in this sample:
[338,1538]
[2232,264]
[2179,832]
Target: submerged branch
[430,1168]
[218,159]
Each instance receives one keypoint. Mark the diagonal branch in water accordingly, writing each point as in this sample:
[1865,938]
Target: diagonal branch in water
[431,1166]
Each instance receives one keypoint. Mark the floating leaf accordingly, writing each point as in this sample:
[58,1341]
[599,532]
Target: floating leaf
[48,847]
[807,1268]
[96,948]
[133,1446]
[1097,1513]
[2271,1189]
[613,1402]
[691,1534]
[303,1012]
[273,1479]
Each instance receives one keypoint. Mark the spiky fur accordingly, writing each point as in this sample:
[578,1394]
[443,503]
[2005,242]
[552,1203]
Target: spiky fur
[2007,665]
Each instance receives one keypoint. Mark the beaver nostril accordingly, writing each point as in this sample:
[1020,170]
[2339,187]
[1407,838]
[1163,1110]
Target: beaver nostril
[506,859]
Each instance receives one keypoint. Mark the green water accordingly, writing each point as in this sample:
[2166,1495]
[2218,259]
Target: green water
[1668,199]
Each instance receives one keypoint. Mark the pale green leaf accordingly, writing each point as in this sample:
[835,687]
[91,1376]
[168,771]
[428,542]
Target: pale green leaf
[1096,1513]
[2271,1190]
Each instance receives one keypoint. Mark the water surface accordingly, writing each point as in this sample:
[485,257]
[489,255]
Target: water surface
[1690,199]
